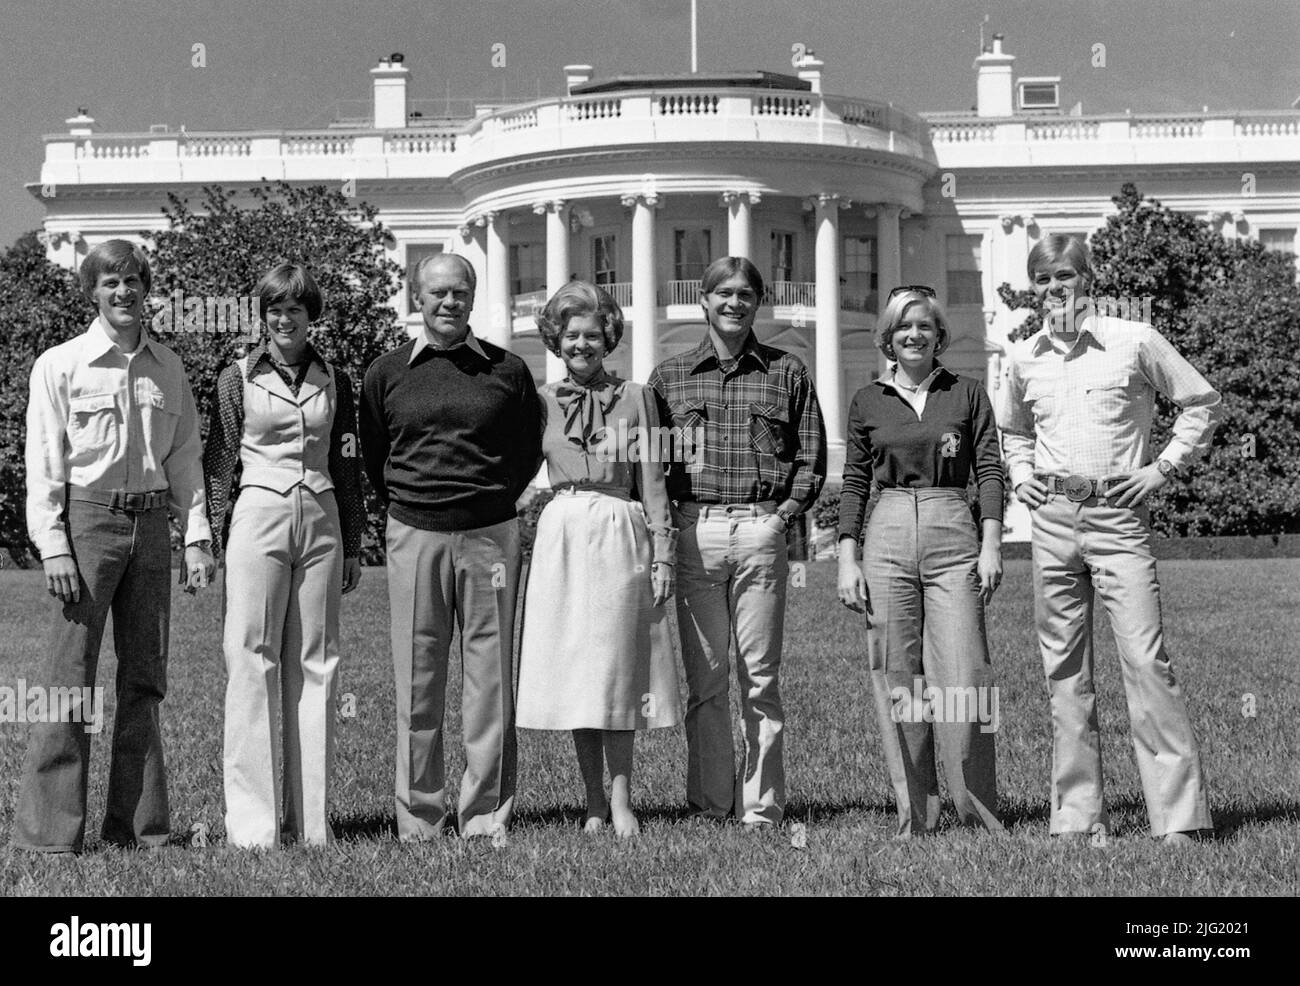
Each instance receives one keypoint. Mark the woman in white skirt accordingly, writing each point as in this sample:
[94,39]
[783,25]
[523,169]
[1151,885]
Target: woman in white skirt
[597,653]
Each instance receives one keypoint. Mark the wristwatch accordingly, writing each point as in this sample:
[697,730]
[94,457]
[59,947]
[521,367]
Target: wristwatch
[1167,469]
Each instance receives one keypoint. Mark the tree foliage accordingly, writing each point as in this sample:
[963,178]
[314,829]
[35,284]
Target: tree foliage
[1233,310]
[221,250]
[41,307]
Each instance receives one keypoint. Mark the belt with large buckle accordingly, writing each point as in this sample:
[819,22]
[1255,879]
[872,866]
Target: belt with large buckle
[1078,488]
[131,503]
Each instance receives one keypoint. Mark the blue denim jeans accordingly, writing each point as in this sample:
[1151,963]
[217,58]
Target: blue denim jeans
[124,563]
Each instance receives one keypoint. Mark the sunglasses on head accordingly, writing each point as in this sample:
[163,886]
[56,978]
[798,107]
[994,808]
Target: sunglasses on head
[924,289]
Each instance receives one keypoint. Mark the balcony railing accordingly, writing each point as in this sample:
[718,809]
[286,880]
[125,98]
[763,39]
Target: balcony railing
[783,294]
[621,291]
[630,117]
[680,292]
[777,294]
[527,305]
[963,128]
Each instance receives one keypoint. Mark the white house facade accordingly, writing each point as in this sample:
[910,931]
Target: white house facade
[637,182]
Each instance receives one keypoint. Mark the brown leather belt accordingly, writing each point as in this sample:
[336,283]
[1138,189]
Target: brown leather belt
[132,503]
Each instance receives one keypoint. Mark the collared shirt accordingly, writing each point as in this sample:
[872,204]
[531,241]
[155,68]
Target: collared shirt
[107,420]
[425,340]
[893,446]
[450,437]
[1086,408]
[915,397]
[226,438]
[762,429]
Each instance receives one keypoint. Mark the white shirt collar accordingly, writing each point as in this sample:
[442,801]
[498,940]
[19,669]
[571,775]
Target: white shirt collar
[425,340]
[100,342]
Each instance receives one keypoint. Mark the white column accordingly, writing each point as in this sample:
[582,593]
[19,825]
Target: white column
[557,266]
[738,205]
[644,309]
[473,249]
[828,325]
[889,257]
[497,289]
[889,246]
[1014,255]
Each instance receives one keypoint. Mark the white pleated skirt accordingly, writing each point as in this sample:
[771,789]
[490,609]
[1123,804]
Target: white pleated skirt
[596,652]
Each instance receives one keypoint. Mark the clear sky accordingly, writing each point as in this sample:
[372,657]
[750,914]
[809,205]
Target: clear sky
[300,63]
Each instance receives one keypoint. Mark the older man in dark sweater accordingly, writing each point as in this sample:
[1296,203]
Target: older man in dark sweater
[451,435]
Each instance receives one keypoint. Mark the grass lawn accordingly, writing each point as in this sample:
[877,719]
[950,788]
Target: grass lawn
[1231,628]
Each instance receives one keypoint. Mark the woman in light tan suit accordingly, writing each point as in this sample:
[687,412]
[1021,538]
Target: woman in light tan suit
[285,421]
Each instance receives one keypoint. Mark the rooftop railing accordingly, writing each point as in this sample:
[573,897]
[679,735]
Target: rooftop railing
[636,115]
[964,128]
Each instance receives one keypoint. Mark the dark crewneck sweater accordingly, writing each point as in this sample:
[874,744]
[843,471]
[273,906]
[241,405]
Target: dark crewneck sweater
[889,446]
[451,440]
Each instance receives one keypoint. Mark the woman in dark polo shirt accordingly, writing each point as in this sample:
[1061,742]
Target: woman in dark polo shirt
[916,434]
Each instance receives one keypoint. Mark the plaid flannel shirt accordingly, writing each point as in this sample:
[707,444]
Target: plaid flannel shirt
[764,438]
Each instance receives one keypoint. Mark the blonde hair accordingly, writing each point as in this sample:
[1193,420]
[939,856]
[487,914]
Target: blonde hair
[895,310]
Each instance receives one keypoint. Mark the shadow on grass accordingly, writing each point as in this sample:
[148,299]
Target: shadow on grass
[1229,821]
[355,828]
[1128,816]
[1127,813]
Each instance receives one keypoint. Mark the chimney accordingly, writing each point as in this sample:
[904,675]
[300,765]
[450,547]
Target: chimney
[388,80]
[993,82]
[810,69]
[576,75]
[81,125]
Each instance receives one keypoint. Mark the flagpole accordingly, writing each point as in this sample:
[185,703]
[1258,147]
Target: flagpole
[694,57]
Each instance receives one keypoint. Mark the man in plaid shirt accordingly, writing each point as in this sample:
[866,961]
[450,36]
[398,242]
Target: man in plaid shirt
[762,462]
[1076,424]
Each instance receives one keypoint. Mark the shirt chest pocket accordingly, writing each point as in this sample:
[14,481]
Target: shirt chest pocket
[769,427]
[1040,395]
[93,422]
[690,414]
[1108,398]
[160,412]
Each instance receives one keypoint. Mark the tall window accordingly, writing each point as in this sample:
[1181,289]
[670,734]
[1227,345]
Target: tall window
[692,251]
[416,252]
[604,264]
[527,267]
[782,256]
[1277,240]
[965,284]
[860,281]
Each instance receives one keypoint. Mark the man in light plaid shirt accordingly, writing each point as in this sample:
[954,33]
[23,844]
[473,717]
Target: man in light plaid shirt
[762,462]
[1076,430]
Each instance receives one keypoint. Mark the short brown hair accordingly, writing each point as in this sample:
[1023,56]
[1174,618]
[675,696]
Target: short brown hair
[114,257]
[725,267]
[285,281]
[1062,246]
